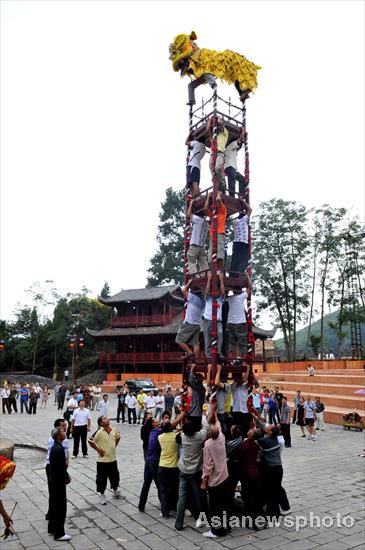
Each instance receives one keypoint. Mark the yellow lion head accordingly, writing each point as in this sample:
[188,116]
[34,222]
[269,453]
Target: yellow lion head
[181,49]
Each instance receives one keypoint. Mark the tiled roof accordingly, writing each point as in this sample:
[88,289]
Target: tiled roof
[172,328]
[140,294]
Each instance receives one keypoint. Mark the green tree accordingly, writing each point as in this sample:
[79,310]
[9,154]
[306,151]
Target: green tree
[280,250]
[167,264]
[105,291]
[314,235]
[315,342]
[330,220]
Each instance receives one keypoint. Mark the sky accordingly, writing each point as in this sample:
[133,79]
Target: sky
[94,120]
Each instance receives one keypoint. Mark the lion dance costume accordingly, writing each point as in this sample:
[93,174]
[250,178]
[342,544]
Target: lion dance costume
[230,66]
[7,469]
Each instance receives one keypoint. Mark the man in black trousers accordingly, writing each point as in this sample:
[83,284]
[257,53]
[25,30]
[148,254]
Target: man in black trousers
[80,425]
[58,479]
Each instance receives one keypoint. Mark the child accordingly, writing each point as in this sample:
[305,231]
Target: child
[188,333]
[236,325]
[197,152]
[221,225]
[230,167]
[196,253]
[239,260]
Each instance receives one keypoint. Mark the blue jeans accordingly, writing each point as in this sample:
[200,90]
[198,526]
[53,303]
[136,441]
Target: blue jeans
[189,485]
[150,474]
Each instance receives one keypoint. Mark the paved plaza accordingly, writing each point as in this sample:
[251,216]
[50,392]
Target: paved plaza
[325,478]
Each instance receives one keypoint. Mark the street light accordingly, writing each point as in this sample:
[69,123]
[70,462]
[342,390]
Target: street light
[77,343]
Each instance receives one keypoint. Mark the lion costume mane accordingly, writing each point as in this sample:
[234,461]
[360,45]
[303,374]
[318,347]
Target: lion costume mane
[230,66]
[7,469]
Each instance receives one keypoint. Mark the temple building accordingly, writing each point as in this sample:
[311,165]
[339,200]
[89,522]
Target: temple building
[143,327]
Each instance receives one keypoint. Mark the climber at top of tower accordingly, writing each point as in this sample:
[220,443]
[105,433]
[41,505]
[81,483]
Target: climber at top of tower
[207,65]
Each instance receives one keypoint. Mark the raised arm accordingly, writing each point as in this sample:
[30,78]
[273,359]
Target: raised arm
[248,282]
[246,206]
[178,419]
[217,380]
[185,289]
[206,204]
[189,139]
[189,213]
[212,418]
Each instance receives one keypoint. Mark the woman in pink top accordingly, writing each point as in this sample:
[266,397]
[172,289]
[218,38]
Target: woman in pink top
[214,479]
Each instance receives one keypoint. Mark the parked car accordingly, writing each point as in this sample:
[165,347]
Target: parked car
[145,384]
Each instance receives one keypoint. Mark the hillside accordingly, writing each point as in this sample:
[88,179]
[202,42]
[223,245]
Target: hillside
[330,339]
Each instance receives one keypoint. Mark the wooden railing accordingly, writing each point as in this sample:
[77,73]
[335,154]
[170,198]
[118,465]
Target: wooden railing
[145,357]
[140,320]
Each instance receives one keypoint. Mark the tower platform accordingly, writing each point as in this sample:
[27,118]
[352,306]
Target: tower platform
[199,281]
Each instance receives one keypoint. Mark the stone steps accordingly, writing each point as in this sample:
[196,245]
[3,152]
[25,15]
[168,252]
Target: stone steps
[311,388]
[335,388]
[348,379]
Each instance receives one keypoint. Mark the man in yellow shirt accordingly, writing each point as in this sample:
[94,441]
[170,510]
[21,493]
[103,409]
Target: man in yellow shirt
[168,472]
[141,405]
[105,441]
[217,165]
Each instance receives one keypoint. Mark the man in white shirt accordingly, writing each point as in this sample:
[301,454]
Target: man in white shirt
[80,425]
[56,390]
[240,413]
[97,393]
[103,406]
[71,405]
[131,403]
[199,230]
[160,405]
[240,248]
[5,394]
[197,152]
[236,322]
[92,396]
[230,168]
[66,374]
[188,334]
[150,403]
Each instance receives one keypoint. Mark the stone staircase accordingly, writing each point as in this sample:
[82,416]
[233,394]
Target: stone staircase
[336,389]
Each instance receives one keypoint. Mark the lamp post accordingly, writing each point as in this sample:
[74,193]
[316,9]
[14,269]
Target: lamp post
[76,344]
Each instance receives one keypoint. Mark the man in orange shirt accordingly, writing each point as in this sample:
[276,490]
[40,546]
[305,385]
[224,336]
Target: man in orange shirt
[221,226]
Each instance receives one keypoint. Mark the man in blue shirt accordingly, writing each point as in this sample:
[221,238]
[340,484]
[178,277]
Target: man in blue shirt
[24,396]
[152,461]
